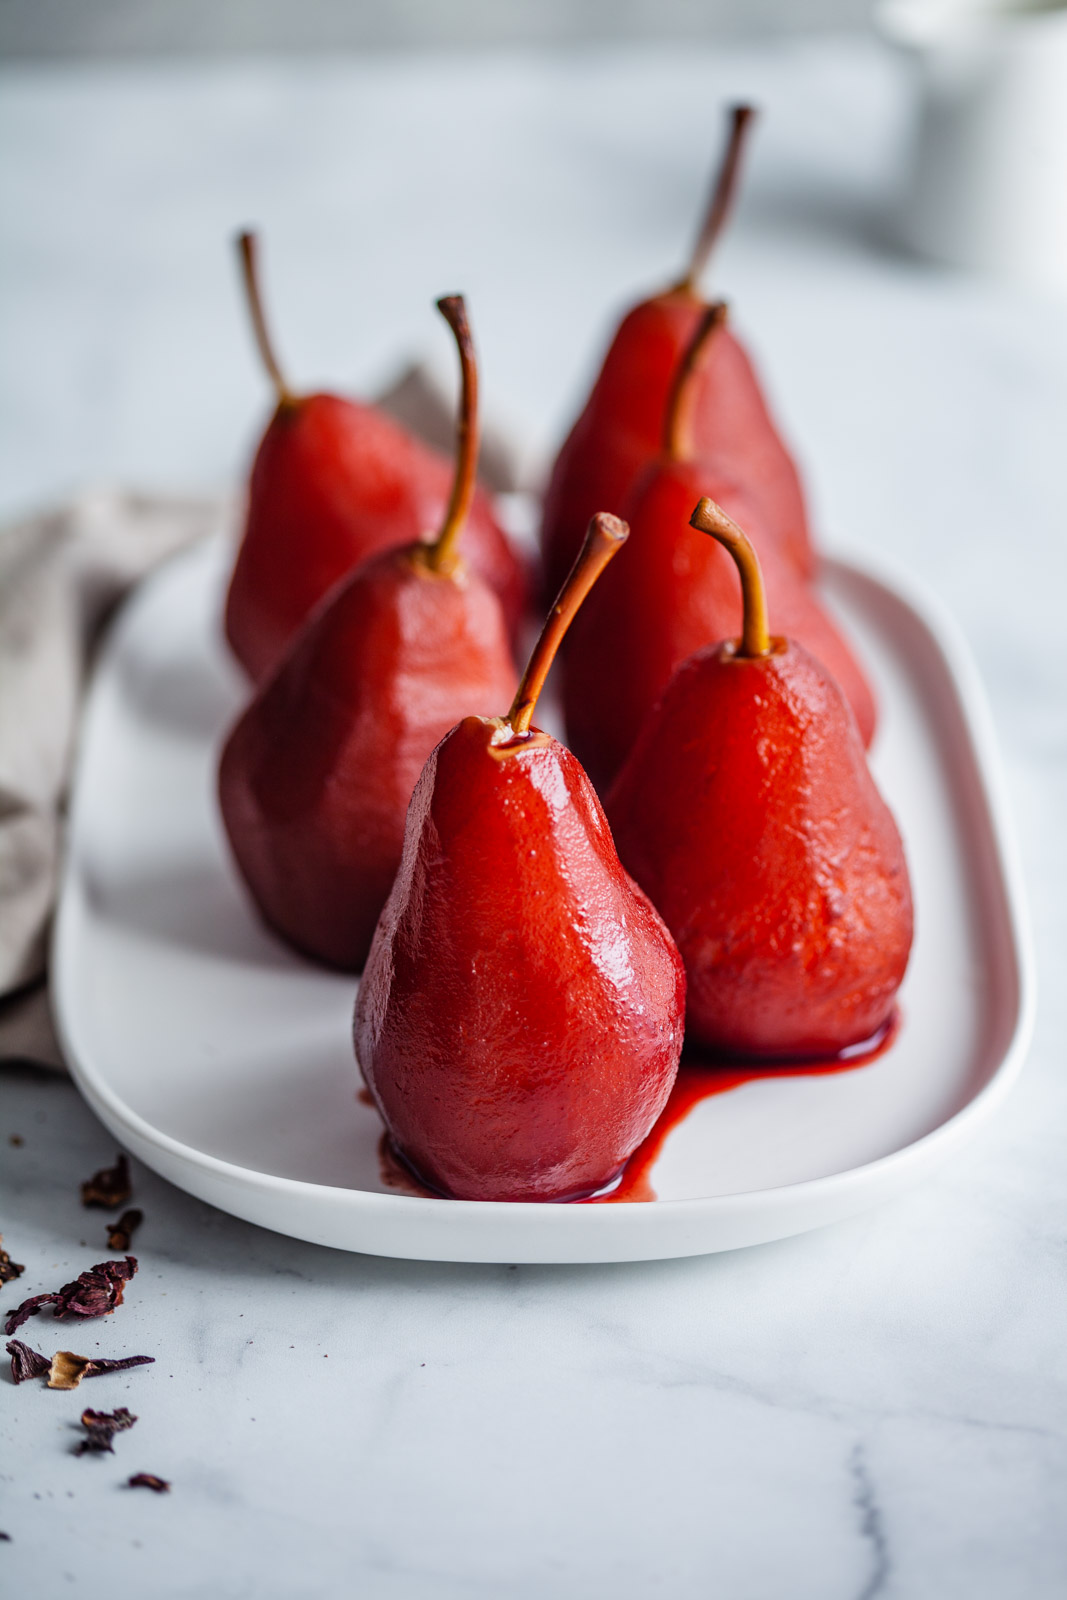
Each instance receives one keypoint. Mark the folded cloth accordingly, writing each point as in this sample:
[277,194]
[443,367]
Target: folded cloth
[61,574]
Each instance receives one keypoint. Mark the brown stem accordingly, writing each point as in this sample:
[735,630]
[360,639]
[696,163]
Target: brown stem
[722,195]
[442,554]
[678,414]
[606,536]
[755,634]
[248,247]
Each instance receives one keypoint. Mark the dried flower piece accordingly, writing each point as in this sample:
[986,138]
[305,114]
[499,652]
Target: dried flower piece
[148,1480]
[121,1232]
[26,1363]
[65,1370]
[9,1269]
[110,1187]
[102,1364]
[101,1427]
[95,1293]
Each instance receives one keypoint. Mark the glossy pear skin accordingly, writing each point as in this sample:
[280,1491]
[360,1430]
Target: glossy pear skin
[316,776]
[520,1019]
[334,481]
[621,430]
[748,814]
[670,592]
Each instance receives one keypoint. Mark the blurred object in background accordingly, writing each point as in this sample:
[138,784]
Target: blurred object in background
[147,27]
[988,185]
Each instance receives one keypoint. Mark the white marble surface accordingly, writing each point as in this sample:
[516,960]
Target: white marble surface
[877,1409]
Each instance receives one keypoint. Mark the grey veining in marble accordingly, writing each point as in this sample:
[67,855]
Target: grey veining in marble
[879,1409]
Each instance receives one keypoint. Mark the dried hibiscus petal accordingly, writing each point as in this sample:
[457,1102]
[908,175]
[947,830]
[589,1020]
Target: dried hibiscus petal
[110,1187]
[101,1427]
[95,1293]
[8,1269]
[26,1363]
[65,1370]
[121,1232]
[148,1480]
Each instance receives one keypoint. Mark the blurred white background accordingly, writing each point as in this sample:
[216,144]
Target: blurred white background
[134,27]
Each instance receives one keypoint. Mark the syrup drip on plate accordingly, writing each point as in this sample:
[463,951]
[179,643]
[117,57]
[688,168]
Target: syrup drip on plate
[698,1080]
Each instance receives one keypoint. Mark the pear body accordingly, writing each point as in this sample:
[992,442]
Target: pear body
[672,591]
[316,776]
[333,482]
[747,812]
[521,1015]
[620,431]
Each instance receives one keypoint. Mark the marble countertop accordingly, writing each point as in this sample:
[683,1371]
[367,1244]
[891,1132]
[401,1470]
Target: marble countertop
[877,1409]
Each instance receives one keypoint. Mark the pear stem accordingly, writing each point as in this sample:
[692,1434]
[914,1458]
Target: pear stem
[248,247]
[755,634]
[678,414]
[606,536]
[722,196]
[442,555]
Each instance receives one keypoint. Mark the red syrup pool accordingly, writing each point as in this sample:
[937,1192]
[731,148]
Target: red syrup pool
[698,1079]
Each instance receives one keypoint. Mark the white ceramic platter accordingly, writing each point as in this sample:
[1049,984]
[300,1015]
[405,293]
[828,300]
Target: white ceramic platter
[224,1062]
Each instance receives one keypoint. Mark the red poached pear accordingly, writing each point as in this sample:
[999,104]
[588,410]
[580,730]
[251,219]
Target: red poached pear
[747,812]
[520,1019]
[670,594]
[334,481]
[316,776]
[620,428]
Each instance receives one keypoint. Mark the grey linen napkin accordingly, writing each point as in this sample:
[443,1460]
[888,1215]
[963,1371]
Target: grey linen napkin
[61,574]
